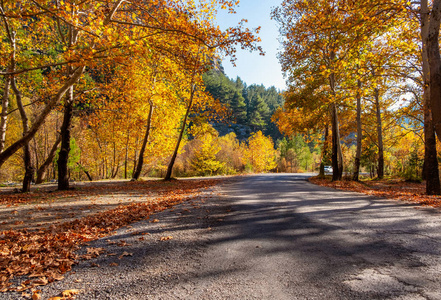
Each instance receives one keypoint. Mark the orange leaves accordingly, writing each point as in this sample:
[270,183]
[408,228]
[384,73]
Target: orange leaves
[66,295]
[45,255]
[92,253]
[125,254]
[70,293]
[149,33]
[392,189]
[166,238]
[36,295]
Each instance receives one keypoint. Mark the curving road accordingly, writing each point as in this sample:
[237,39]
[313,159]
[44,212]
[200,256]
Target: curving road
[272,237]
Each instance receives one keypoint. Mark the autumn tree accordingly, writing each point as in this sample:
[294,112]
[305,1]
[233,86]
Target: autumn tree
[204,161]
[313,42]
[93,32]
[260,153]
[320,40]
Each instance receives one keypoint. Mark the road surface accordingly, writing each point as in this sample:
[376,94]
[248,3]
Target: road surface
[272,236]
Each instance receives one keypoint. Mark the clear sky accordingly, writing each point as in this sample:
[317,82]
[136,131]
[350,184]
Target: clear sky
[252,67]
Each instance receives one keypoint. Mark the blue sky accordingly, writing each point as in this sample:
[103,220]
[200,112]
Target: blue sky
[252,67]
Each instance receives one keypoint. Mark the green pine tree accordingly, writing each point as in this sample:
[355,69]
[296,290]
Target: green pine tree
[239,108]
[258,114]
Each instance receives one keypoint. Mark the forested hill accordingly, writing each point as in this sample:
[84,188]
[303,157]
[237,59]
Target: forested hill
[251,107]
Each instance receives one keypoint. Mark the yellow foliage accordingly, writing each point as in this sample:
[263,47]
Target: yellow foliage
[260,153]
[204,161]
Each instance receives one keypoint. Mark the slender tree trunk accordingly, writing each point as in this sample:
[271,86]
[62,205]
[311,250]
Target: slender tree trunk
[380,169]
[115,163]
[325,152]
[138,170]
[35,150]
[29,169]
[4,115]
[27,157]
[42,170]
[433,53]
[339,151]
[135,162]
[430,170]
[63,155]
[359,136]
[10,33]
[181,134]
[114,172]
[126,156]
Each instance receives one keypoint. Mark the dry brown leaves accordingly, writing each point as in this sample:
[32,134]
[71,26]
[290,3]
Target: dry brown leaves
[385,188]
[44,255]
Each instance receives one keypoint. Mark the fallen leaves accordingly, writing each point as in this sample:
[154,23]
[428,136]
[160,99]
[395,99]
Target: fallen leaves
[123,244]
[36,295]
[46,254]
[93,252]
[66,295]
[386,188]
[166,238]
[70,293]
[125,254]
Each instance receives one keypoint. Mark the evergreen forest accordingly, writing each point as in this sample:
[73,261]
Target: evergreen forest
[250,108]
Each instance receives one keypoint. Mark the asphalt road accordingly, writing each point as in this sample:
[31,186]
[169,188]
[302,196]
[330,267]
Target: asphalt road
[272,236]
[288,239]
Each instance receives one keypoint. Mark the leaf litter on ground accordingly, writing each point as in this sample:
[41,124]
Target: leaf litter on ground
[384,188]
[42,256]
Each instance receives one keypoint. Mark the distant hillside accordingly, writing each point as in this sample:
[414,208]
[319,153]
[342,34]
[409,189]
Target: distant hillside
[251,106]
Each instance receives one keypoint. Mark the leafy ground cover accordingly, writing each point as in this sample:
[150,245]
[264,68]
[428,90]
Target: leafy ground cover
[385,188]
[43,230]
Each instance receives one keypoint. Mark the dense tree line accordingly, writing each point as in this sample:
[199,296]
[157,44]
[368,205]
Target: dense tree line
[115,81]
[250,106]
[366,75]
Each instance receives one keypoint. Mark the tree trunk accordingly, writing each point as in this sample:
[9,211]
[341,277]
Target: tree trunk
[35,150]
[63,155]
[4,115]
[114,172]
[135,163]
[337,162]
[337,157]
[29,169]
[380,169]
[325,152]
[359,136]
[430,170]
[115,163]
[181,134]
[126,156]
[41,172]
[85,171]
[433,53]
[140,163]
[27,157]
[8,152]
